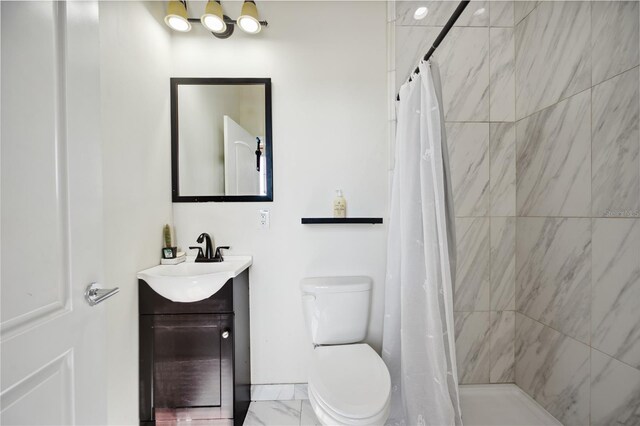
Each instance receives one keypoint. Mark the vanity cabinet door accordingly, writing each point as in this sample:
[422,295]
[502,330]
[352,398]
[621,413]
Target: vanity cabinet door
[186,361]
[186,368]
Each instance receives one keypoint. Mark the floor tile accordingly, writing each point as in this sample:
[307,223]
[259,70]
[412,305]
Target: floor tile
[301,391]
[272,392]
[308,417]
[273,413]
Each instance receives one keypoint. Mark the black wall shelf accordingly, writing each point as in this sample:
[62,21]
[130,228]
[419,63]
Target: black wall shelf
[343,220]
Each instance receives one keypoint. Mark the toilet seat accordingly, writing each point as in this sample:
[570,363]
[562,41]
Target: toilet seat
[349,384]
[328,417]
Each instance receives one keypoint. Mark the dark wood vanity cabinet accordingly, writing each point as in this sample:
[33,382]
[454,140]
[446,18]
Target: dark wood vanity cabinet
[194,357]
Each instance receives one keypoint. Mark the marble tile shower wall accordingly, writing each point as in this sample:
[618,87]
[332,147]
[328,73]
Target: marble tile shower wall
[477,63]
[542,112]
[578,207]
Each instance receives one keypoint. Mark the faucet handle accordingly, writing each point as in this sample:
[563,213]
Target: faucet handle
[200,253]
[218,254]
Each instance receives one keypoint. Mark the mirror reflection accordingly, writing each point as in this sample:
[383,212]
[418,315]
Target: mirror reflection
[222,142]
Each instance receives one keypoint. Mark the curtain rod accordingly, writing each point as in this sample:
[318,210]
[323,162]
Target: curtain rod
[452,20]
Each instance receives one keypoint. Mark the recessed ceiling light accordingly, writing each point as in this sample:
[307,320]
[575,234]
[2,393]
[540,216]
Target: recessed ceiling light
[421,13]
[479,11]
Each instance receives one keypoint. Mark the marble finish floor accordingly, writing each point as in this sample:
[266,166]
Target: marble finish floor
[280,405]
[482,405]
[281,413]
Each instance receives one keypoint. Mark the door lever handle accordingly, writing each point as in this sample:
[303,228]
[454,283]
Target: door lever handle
[94,294]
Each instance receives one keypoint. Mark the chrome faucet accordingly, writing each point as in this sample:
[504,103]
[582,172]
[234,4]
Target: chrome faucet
[207,255]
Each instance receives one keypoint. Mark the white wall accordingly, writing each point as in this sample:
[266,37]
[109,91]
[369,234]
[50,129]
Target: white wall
[327,62]
[136,173]
[329,127]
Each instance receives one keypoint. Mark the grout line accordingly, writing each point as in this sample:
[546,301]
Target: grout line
[614,76]
[489,51]
[591,198]
[515,68]
[573,95]
[550,217]
[553,104]
[525,16]
[613,357]
[489,197]
[554,329]
[591,85]
[477,122]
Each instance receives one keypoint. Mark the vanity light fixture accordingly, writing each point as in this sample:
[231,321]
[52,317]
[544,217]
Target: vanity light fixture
[214,19]
[248,19]
[177,18]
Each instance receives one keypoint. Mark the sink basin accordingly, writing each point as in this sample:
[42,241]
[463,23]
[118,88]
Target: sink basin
[189,281]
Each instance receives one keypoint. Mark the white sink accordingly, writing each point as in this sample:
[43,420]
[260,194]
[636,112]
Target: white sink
[189,281]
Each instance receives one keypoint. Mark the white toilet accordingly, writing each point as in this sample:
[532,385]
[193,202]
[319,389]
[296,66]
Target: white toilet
[349,384]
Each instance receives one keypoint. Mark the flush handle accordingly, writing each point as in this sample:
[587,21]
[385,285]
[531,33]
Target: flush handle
[94,294]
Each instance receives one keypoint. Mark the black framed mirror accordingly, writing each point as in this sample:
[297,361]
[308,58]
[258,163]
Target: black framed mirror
[221,147]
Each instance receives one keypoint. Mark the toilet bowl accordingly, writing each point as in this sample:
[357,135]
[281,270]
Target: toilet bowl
[349,384]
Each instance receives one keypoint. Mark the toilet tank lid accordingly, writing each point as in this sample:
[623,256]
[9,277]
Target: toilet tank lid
[335,284]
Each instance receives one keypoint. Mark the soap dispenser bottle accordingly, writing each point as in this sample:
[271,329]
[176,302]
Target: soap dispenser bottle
[339,205]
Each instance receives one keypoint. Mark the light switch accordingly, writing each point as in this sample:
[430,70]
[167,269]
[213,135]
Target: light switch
[263,219]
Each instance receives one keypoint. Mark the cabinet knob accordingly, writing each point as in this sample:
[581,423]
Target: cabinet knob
[226,334]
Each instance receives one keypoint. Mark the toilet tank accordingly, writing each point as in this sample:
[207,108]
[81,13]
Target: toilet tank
[336,309]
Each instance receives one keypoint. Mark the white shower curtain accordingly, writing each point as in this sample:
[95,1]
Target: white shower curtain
[418,338]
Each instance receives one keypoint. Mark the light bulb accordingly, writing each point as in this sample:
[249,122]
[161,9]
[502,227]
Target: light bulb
[213,17]
[176,17]
[249,25]
[214,23]
[421,13]
[248,19]
[178,23]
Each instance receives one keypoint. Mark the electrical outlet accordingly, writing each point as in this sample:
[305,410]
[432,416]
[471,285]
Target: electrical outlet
[263,219]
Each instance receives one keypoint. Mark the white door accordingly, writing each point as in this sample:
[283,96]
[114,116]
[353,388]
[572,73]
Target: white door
[52,341]
[241,176]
